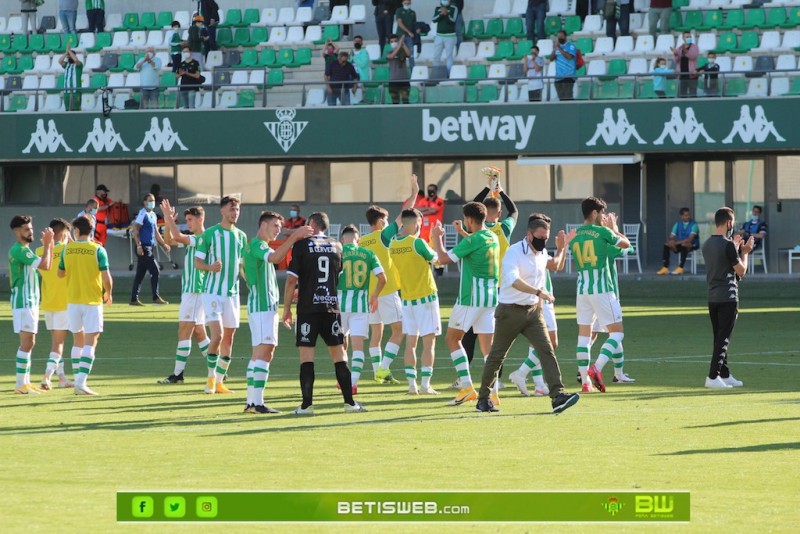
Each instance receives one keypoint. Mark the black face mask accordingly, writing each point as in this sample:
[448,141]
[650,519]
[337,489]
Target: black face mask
[729,232]
[357,46]
[538,244]
[562,41]
[431,192]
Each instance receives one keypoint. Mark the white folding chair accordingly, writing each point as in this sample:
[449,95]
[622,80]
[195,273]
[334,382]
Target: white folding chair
[758,254]
[631,231]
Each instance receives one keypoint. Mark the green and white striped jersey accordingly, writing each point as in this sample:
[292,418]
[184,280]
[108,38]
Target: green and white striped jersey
[192,278]
[22,264]
[615,253]
[227,247]
[591,248]
[479,254]
[548,282]
[354,281]
[261,279]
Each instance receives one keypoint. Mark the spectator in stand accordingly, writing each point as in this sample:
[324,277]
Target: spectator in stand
[73,70]
[195,41]
[96,15]
[684,238]
[305,3]
[294,221]
[341,78]
[588,7]
[101,217]
[534,19]
[710,76]
[208,34]
[330,52]
[209,9]
[346,3]
[28,8]
[384,19]
[755,228]
[399,85]
[564,53]
[533,65]
[459,4]
[150,68]
[190,80]
[686,64]
[658,16]
[445,19]
[68,13]
[660,78]
[617,12]
[174,40]
[407,28]
[361,59]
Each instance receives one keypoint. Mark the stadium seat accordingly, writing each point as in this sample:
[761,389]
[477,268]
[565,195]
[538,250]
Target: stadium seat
[41,63]
[55,103]
[572,24]
[502,8]
[644,45]
[277,36]
[726,43]
[770,42]
[734,19]
[466,52]
[792,18]
[14,24]
[286,16]
[791,40]
[214,59]
[269,17]
[126,63]
[698,4]
[250,17]
[486,49]
[475,29]
[477,72]
[85,40]
[444,94]
[742,64]
[275,78]
[329,32]
[458,73]
[592,24]
[735,87]
[638,65]
[24,63]
[120,41]
[623,45]
[5,42]
[561,7]
[747,42]
[497,71]
[303,15]
[786,62]
[514,28]
[523,49]
[712,21]
[35,43]
[103,40]
[183,18]
[616,68]
[707,41]
[93,62]
[585,45]
[155,38]
[19,43]
[420,74]
[315,97]
[168,79]
[756,18]
[313,34]
[147,21]
[693,20]
[225,37]
[30,83]
[248,60]
[164,20]
[239,77]
[602,46]
[138,40]
[268,58]
[596,67]
[779,86]
[757,88]
[286,57]
[503,51]
[494,29]
[302,57]
[16,103]
[552,25]
[294,35]
[233,17]
[241,37]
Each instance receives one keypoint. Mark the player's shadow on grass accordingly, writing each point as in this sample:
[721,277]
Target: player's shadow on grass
[745,422]
[767,447]
[693,392]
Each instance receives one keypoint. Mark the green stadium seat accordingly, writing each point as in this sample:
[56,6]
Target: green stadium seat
[52,43]
[476,73]
[615,68]
[285,57]
[626,89]
[677,4]
[776,17]
[241,37]
[70,39]
[259,34]
[164,19]
[792,18]
[8,65]
[585,45]
[494,29]
[251,16]
[126,63]
[382,60]
[268,58]
[233,17]
[572,24]
[372,96]
[5,42]
[693,20]
[248,60]
[302,57]
[102,40]
[380,75]
[275,78]
[734,18]
[471,94]
[552,25]
[224,37]
[414,96]
[444,94]
[726,42]
[523,49]
[584,91]
[24,63]
[168,79]
[170,100]
[475,29]
[794,87]
[331,32]
[514,28]
[35,43]
[645,90]
[16,103]
[246,99]
[675,19]
[735,87]
[130,22]
[503,51]
[581,71]
[98,80]
[19,43]
[712,20]
[489,93]
[747,41]
[756,18]
[148,21]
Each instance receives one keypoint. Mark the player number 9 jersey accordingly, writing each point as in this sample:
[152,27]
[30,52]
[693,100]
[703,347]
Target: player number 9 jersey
[317,262]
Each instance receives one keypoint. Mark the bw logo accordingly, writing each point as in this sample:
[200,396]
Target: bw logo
[286,131]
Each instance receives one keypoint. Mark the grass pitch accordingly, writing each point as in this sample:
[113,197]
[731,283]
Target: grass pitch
[736,450]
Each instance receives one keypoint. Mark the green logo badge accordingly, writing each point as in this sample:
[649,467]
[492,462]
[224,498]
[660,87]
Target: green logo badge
[142,507]
[613,506]
[207,507]
[174,507]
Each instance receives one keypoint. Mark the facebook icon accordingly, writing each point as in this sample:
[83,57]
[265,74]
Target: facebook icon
[142,507]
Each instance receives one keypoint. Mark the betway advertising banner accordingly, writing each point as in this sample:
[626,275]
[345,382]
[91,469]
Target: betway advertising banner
[446,130]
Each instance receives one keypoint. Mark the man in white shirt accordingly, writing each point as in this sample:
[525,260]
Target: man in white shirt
[90,211]
[520,312]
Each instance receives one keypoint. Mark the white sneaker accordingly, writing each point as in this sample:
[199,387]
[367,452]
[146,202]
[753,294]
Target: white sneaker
[519,380]
[428,391]
[303,411]
[716,383]
[356,407]
[84,390]
[732,382]
[412,390]
[625,379]
[456,384]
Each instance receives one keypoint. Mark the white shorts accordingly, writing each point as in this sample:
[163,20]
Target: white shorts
[549,312]
[191,309]
[599,329]
[355,324]
[223,310]
[264,328]
[479,318]
[85,317]
[26,320]
[390,310]
[56,320]
[422,319]
[604,308]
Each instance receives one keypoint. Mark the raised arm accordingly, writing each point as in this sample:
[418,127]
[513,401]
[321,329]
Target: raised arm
[437,232]
[172,235]
[411,200]
[279,254]
[511,208]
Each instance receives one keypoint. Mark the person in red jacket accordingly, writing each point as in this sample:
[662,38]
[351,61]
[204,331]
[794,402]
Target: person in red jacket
[101,217]
[432,210]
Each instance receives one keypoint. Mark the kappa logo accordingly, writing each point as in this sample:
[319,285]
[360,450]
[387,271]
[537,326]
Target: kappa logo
[305,329]
[103,139]
[756,128]
[49,140]
[613,132]
[286,130]
[681,130]
[161,139]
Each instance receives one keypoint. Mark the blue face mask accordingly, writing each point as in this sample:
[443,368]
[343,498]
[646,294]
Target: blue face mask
[149,205]
[406,7]
[93,211]
[754,218]
[293,213]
